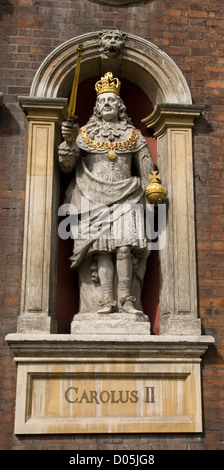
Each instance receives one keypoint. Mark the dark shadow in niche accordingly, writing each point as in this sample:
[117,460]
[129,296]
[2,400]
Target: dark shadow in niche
[6,8]
[8,124]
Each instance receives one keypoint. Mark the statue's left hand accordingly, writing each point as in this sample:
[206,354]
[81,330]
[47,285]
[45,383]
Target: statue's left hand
[69,131]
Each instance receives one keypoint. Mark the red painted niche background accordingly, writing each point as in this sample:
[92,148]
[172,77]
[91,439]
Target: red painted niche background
[67,305]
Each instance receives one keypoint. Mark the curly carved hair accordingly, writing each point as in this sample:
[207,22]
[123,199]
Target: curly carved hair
[95,122]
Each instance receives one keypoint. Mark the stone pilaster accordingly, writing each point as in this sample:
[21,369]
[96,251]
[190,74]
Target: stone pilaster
[178,297]
[40,232]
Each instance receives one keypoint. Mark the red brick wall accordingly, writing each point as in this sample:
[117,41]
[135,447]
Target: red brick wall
[191,32]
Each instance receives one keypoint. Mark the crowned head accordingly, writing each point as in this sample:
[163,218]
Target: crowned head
[108,84]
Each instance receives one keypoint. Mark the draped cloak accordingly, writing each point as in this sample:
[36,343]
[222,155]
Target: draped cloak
[110,213]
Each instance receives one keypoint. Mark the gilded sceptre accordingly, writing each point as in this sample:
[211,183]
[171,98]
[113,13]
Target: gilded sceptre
[73,97]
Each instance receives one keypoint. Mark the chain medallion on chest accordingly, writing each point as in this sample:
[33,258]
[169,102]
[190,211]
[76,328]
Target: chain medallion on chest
[110,146]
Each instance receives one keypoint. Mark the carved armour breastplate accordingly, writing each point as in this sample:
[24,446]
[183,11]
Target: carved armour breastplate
[103,168]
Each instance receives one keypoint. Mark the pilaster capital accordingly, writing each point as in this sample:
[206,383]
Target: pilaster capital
[168,115]
[42,109]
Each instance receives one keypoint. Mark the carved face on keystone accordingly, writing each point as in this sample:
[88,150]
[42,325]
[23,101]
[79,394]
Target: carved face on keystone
[112,42]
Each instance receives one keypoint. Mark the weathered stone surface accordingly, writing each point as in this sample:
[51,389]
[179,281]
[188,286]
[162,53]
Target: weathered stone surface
[142,62]
[114,383]
[40,233]
[172,125]
[113,323]
[172,121]
[110,243]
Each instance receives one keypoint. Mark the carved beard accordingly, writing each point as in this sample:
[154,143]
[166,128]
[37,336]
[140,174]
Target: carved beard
[104,130]
[112,131]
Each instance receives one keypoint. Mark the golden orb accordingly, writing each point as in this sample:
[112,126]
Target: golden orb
[154,192]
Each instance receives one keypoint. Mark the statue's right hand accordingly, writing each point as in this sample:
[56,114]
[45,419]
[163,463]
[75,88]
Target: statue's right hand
[69,130]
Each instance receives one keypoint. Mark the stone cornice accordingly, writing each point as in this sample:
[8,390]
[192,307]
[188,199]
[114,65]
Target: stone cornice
[44,108]
[70,346]
[172,115]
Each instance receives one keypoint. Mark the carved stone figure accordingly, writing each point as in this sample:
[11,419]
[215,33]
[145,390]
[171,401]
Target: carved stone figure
[111,162]
[112,42]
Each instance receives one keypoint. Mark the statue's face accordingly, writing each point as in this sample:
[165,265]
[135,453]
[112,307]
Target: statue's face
[108,106]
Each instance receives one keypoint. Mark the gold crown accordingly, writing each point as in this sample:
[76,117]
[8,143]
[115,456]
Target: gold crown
[108,84]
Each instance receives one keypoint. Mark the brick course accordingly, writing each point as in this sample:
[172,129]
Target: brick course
[191,33]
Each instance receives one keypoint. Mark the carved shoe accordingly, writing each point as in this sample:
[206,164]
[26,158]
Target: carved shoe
[128,306]
[108,307]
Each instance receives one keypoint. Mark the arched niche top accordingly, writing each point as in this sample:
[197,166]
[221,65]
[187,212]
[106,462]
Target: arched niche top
[141,62]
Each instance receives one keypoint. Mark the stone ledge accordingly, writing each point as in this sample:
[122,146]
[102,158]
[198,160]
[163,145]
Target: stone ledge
[43,108]
[72,346]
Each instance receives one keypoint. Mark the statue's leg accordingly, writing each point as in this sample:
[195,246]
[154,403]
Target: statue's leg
[106,277]
[124,271]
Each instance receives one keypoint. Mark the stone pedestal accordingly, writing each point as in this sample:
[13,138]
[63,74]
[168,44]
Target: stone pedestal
[110,324]
[108,384]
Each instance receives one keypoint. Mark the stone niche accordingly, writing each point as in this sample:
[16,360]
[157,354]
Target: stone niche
[109,380]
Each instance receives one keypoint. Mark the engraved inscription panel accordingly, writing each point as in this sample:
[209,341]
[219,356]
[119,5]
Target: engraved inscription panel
[101,397]
[116,398]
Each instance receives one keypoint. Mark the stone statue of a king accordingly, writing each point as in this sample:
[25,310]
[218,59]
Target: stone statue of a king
[111,164]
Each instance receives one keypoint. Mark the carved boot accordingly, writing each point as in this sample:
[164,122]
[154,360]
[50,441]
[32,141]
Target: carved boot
[106,276]
[108,306]
[127,305]
[124,270]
